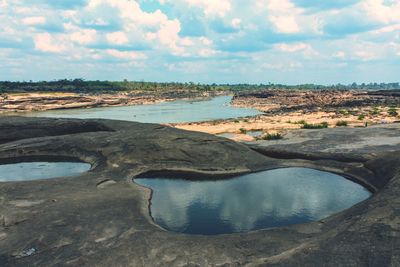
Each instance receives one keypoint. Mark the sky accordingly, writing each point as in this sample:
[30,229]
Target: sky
[206,41]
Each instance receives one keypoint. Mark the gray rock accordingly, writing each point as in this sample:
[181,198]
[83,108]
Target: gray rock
[101,218]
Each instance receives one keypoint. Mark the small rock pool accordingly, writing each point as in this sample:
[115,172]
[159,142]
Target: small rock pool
[26,171]
[253,201]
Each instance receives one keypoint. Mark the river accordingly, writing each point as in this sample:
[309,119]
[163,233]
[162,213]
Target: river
[165,112]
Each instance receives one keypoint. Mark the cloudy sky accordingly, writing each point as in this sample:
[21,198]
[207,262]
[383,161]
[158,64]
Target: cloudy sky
[222,41]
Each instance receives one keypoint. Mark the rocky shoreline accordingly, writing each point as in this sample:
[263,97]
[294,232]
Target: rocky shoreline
[284,101]
[290,109]
[27,102]
[283,110]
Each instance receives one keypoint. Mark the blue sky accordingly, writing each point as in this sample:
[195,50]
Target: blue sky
[207,41]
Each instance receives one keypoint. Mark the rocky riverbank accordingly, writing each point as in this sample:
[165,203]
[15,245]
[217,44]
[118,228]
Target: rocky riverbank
[283,101]
[292,109]
[283,110]
[27,102]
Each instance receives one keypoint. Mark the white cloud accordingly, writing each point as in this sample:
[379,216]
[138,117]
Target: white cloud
[94,3]
[206,41]
[3,3]
[187,67]
[7,30]
[132,55]
[130,11]
[283,14]
[356,49]
[386,29]
[212,7]
[236,23]
[368,51]
[153,27]
[285,24]
[168,36]
[365,55]
[118,38]
[293,47]
[305,49]
[340,54]
[84,36]
[78,35]
[282,66]
[34,21]
[382,11]
[281,34]
[70,15]
[23,10]
[47,43]
[186,42]
[207,52]
[279,6]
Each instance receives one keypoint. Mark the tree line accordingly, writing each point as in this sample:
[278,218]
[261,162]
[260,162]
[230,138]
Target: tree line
[82,86]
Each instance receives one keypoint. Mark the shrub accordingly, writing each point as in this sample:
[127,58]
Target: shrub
[375,111]
[243,130]
[315,126]
[236,121]
[353,112]
[273,136]
[392,112]
[361,117]
[301,122]
[341,123]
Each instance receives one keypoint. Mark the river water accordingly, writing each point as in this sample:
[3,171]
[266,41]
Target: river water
[165,112]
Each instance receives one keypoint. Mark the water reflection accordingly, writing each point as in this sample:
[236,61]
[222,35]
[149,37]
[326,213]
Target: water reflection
[255,133]
[227,135]
[255,201]
[26,171]
[175,111]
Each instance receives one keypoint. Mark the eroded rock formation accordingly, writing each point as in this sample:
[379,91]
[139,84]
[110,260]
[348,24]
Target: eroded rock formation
[274,101]
[101,218]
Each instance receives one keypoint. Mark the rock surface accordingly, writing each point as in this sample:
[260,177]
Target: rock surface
[24,102]
[280,101]
[101,218]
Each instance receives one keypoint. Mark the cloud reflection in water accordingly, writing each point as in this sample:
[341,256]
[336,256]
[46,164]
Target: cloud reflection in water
[259,200]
